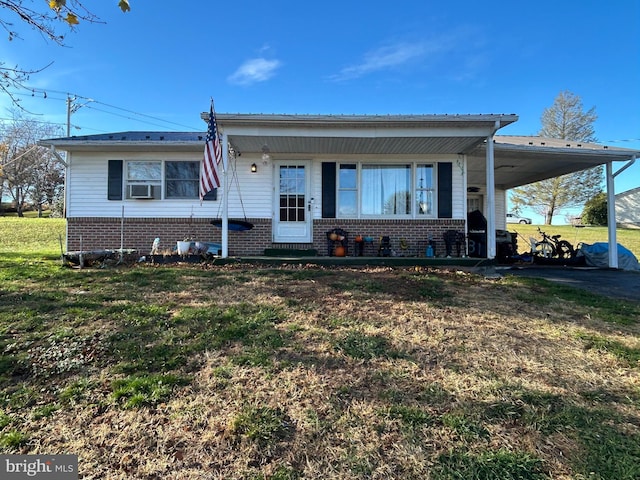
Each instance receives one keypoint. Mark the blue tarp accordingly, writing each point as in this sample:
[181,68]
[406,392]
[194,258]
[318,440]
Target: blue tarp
[597,255]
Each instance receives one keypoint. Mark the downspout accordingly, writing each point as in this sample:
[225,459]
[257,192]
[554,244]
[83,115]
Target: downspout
[491,196]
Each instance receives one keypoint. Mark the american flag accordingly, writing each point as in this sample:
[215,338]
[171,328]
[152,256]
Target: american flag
[209,176]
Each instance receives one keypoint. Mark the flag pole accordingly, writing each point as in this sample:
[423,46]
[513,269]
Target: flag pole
[225,197]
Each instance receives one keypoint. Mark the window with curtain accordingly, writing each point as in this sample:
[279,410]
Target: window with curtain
[385,190]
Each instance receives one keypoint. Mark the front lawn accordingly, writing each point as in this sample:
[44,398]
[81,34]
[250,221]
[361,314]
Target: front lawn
[306,372]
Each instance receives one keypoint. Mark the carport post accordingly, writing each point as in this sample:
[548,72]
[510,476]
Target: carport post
[491,197]
[611,217]
[225,196]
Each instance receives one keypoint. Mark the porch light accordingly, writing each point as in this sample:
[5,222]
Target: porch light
[254,168]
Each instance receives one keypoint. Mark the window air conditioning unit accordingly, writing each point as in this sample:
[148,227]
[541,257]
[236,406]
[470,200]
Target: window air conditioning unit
[140,191]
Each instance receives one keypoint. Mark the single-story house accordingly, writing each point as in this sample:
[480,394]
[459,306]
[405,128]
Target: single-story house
[296,177]
[628,208]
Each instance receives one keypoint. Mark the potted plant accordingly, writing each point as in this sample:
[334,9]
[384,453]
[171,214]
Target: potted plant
[183,246]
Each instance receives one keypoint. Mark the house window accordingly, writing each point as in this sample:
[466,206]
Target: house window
[347,190]
[182,179]
[424,190]
[148,179]
[385,190]
[143,179]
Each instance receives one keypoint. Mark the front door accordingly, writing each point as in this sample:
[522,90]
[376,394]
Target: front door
[292,219]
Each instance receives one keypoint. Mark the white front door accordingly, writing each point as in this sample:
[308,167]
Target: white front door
[292,219]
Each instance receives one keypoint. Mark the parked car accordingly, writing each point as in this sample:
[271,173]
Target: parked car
[513,218]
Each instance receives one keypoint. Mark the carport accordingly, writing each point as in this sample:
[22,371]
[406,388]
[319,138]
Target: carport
[521,160]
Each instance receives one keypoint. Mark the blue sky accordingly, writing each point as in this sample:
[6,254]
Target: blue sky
[165,61]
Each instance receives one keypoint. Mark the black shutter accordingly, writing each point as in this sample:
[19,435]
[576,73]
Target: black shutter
[445,190]
[328,190]
[114,182]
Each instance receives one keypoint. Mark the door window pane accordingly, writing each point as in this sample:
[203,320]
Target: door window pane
[292,193]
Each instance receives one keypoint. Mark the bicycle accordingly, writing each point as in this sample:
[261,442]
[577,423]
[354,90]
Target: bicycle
[551,247]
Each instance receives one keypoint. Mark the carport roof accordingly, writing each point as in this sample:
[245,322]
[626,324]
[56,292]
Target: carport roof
[520,160]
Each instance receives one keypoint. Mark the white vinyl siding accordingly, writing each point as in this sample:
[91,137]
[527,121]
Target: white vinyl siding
[459,194]
[501,209]
[87,190]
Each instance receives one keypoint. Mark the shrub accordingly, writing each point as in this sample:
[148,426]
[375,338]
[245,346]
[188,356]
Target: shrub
[595,210]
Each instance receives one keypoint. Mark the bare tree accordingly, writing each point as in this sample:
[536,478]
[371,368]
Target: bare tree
[565,120]
[31,174]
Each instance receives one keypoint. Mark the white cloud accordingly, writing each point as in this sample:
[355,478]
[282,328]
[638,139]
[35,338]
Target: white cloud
[395,56]
[254,70]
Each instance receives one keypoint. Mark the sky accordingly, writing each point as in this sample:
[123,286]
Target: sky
[157,66]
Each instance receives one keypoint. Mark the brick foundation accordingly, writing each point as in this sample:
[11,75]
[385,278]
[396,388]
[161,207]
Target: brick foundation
[97,233]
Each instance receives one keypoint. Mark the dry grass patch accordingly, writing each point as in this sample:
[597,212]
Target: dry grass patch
[241,372]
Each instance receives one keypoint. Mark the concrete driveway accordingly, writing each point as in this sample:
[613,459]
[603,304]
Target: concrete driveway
[621,284]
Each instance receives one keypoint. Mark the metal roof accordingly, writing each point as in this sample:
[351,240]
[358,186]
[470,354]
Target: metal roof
[520,160]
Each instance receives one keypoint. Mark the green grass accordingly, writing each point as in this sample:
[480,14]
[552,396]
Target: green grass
[264,425]
[629,238]
[364,346]
[30,238]
[606,345]
[144,391]
[12,439]
[489,465]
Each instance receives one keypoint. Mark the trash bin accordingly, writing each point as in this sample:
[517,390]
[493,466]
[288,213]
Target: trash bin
[505,246]
[477,234]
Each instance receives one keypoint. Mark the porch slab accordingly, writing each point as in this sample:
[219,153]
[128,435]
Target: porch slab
[466,262]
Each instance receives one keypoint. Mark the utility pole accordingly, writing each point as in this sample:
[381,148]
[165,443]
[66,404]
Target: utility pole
[73,108]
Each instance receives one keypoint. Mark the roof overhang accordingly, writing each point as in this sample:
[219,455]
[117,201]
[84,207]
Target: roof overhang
[364,135]
[518,160]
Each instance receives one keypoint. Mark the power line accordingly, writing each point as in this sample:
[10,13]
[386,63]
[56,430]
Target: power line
[35,121]
[122,116]
[45,93]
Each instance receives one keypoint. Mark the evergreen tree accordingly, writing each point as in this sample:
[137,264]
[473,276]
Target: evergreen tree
[595,210]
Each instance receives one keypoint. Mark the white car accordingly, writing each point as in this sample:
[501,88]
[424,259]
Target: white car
[513,218]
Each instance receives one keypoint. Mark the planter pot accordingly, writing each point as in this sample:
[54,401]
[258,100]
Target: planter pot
[183,247]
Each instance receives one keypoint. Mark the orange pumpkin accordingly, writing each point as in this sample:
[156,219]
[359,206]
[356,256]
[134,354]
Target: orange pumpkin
[339,251]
